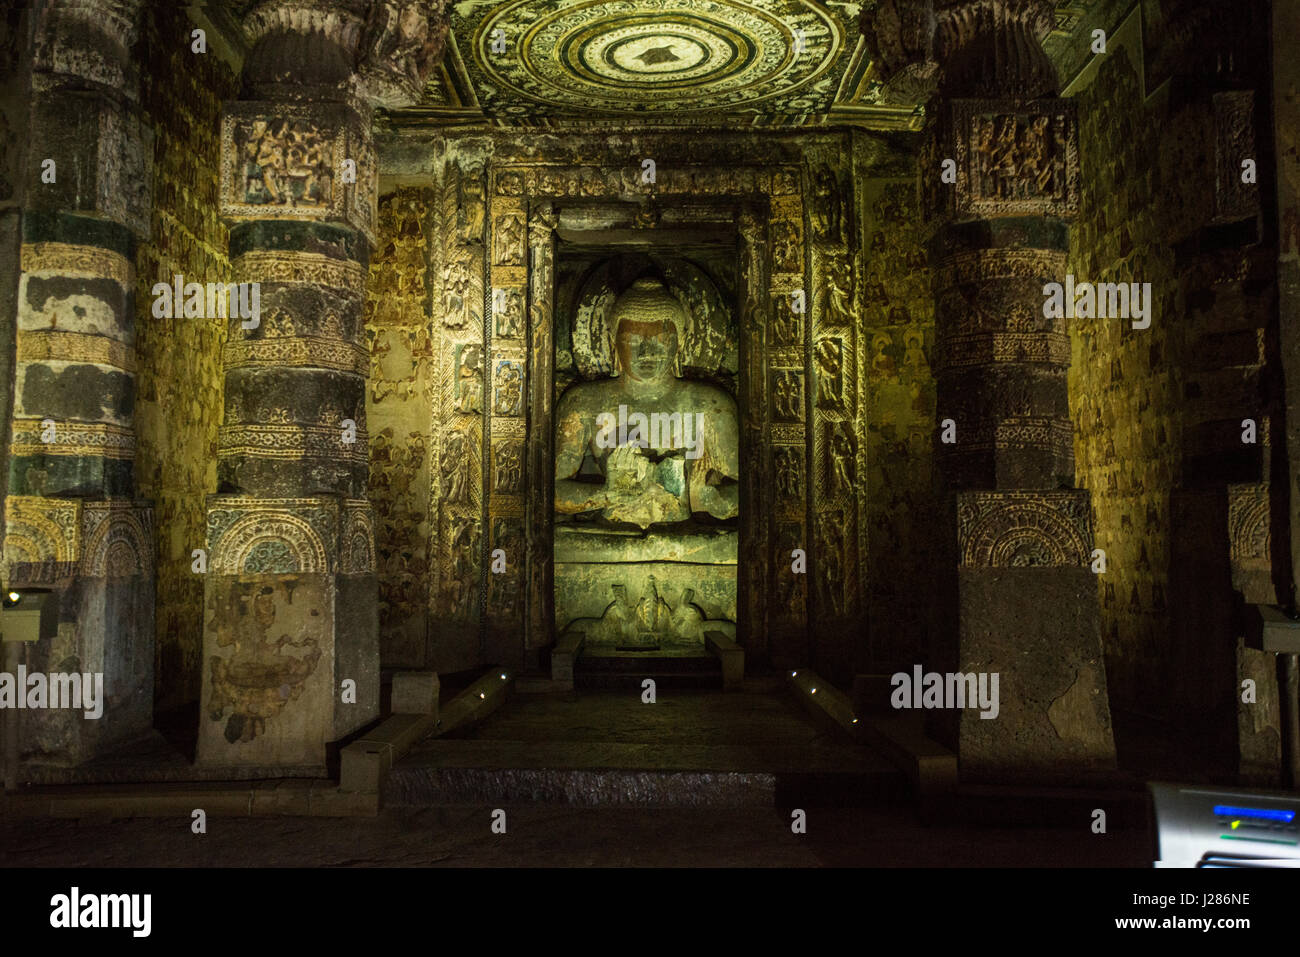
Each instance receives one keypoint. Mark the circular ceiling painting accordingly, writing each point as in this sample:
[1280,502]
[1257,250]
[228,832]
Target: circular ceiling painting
[656,56]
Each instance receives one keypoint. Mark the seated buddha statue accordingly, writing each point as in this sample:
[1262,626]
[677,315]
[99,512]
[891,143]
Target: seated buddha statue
[646,479]
[666,448]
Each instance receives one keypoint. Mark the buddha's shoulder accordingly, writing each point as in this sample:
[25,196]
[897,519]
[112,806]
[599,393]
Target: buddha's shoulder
[707,395]
[586,394]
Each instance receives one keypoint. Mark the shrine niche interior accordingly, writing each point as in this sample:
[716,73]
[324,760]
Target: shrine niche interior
[700,341]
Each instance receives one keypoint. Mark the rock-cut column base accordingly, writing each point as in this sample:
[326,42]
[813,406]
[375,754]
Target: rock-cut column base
[291,630]
[1038,629]
[97,560]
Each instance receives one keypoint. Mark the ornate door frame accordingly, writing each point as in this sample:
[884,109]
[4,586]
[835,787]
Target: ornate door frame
[790,495]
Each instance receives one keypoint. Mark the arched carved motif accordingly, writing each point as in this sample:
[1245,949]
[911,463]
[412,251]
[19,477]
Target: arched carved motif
[270,542]
[41,530]
[118,541]
[1248,522]
[1015,530]
[358,556]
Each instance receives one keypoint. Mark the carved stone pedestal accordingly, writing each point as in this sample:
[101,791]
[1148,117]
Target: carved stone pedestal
[1259,721]
[97,558]
[1027,610]
[291,616]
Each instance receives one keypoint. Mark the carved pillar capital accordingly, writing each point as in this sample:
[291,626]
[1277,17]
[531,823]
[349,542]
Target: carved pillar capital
[401,45]
[83,43]
[994,48]
[339,21]
[983,48]
[303,49]
[380,51]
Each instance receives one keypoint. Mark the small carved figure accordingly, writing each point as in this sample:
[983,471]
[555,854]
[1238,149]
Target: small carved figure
[788,325]
[836,288]
[509,308]
[830,559]
[789,473]
[455,468]
[788,396]
[457,301]
[828,204]
[509,249]
[469,216]
[459,584]
[469,379]
[830,382]
[508,398]
[842,455]
[507,467]
[785,245]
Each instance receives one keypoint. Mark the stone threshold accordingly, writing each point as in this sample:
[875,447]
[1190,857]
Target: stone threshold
[290,798]
[152,760]
[451,772]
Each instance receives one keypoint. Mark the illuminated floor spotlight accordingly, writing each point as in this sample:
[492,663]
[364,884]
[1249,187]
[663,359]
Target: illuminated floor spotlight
[1204,827]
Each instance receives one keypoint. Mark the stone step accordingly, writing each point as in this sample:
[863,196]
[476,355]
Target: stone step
[270,798]
[497,773]
[610,669]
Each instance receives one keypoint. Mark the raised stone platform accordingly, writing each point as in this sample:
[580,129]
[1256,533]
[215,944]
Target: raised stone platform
[689,749]
[602,668]
[674,586]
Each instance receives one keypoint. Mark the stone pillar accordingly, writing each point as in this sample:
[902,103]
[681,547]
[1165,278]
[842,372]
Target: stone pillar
[539,506]
[290,646]
[1026,603]
[787,591]
[72,522]
[1286,123]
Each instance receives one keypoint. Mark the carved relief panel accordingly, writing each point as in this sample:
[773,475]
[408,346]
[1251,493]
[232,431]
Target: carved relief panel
[507,220]
[1009,161]
[834,383]
[459,402]
[788,379]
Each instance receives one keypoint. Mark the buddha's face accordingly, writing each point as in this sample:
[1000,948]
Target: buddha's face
[647,351]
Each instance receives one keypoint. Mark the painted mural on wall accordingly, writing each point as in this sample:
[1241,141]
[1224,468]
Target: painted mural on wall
[899,400]
[271,636]
[403,365]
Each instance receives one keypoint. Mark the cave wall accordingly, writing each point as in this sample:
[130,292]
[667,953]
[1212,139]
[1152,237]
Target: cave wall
[179,383]
[1180,498]
[899,399]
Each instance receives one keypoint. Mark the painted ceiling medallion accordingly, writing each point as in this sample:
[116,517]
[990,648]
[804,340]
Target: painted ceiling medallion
[658,56]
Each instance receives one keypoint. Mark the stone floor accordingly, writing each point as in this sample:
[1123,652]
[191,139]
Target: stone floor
[682,729]
[609,748]
[539,836]
[762,723]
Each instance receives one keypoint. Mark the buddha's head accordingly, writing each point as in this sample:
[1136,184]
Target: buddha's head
[649,325]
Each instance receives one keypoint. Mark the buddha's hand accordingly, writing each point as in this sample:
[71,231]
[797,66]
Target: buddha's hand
[626,471]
